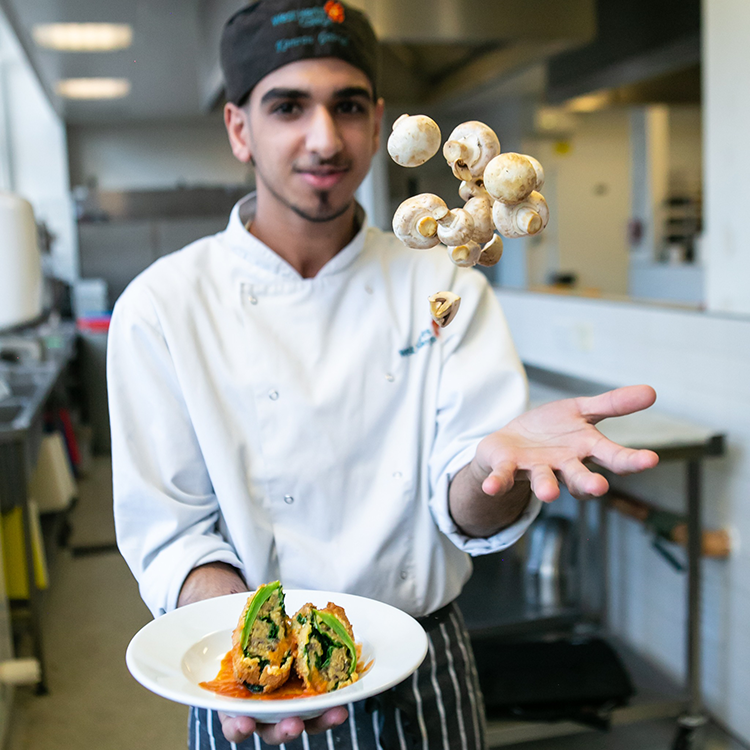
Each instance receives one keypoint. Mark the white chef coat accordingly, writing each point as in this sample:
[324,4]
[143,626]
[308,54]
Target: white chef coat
[304,429]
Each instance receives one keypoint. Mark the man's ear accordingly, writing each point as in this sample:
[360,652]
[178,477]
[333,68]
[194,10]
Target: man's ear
[378,114]
[235,121]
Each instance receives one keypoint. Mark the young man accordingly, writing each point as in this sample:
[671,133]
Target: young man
[282,408]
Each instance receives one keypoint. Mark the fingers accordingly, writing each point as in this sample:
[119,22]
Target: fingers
[616,403]
[621,460]
[581,482]
[285,731]
[236,728]
[326,721]
[501,479]
[544,483]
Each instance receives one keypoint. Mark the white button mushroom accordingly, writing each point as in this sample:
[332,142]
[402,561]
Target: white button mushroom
[456,227]
[481,211]
[539,169]
[415,222]
[465,255]
[473,189]
[491,252]
[414,140]
[470,148]
[510,177]
[521,219]
[443,307]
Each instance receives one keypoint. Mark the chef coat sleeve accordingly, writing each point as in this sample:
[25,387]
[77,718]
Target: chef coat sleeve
[483,386]
[166,512]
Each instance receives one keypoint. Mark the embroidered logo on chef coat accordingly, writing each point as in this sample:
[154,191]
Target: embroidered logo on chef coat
[426,338]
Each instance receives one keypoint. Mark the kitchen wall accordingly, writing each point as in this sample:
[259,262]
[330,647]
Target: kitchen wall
[700,367]
[33,151]
[154,156]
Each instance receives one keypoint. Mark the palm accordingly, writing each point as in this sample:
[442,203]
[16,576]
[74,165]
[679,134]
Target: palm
[553,441]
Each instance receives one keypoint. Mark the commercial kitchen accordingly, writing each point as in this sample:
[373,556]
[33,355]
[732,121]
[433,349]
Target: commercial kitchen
[113,153]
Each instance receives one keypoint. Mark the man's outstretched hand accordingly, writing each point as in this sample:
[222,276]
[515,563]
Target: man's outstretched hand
[553,440]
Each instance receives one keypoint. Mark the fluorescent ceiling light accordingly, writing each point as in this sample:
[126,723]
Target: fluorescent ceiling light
[83,37]
[589,102]
[93,88]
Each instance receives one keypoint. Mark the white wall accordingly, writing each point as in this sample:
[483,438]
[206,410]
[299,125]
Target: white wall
[726,71]
[34,149]
[154,156]
[700,366]
[591,202]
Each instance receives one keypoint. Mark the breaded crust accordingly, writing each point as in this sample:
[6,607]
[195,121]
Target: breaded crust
[267,660]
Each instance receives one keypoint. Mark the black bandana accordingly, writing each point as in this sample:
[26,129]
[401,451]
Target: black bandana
[270,33]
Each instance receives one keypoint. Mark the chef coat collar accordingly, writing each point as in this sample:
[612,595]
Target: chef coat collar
[249,247]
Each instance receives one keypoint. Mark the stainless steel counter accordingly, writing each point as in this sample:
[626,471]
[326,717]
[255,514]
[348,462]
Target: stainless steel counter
[31,365]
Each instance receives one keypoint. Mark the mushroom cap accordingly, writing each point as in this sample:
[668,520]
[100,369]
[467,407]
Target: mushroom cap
[415,220]
[413,140]
[539,169]
[491,252]
[481,211]
[521,219]
[510,177]
[470,148]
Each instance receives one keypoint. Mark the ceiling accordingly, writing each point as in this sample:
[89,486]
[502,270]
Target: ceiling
[433,49]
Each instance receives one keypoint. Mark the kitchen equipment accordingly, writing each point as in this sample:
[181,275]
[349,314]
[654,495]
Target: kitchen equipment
[20,263]
[550,562]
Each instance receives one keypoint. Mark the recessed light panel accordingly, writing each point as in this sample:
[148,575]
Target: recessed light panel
[83,37]
[93,88]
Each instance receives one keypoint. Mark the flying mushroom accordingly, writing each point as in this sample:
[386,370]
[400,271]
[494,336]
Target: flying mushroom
[511,177]
[470,147]
[414,140]
[443,307]
[423,221]
[521,219]
[491,252]
[465,255]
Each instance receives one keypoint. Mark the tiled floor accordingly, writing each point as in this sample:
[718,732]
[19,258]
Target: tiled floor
[91,612]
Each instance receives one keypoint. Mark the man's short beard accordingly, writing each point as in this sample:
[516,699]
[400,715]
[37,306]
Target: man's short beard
[321,217]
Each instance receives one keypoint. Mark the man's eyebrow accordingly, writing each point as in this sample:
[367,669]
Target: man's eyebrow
[284,93]
[353,91]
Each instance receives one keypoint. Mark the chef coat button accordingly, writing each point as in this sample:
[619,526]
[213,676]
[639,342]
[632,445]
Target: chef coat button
[273,395]
[389,377]
[404,575]
[253,300]
[397,475]
[369,289]
[288,499]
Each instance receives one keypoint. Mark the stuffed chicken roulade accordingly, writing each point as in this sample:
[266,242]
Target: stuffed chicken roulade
[262,642]
[326,657]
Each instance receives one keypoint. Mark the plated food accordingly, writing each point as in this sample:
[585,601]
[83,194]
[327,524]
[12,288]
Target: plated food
[310,653]
[176,653]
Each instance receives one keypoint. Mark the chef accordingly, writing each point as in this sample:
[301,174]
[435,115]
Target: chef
[283,408]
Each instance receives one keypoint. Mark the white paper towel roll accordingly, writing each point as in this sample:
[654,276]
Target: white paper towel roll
[20,263]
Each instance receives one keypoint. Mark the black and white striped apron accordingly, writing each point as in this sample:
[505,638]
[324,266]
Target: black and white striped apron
[439,707]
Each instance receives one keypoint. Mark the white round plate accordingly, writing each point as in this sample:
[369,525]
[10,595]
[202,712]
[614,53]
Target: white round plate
[175,652]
